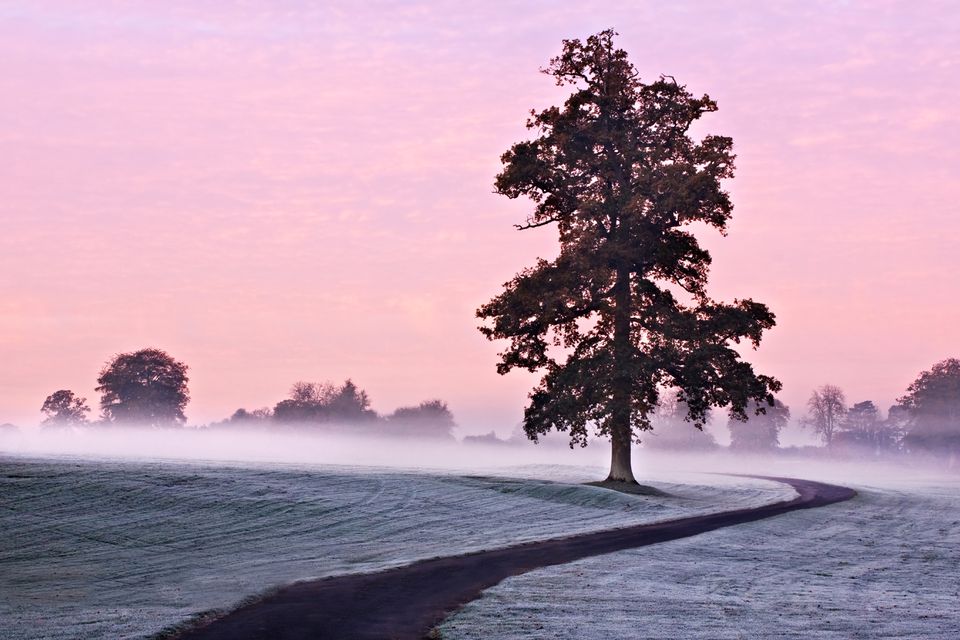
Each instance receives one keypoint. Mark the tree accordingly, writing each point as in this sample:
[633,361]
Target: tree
[308,402]
[63,408]
[243,418]
[430,418]
[827,408]
[147,387]
[316,393]
[761,430]
[862,417]
[897,424]
[349,403]
[316,402]
[673,431]
[862,428]
[933,404]
[622,312]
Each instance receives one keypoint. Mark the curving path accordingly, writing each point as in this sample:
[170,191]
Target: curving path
[406,602]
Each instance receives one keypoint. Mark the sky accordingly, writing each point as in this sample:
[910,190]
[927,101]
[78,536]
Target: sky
[277,191]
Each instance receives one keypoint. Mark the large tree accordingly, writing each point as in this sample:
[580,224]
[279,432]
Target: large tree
[621,315]
[147,387]
[932,402]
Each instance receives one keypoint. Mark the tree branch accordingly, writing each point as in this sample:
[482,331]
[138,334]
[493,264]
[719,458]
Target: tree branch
[533,225]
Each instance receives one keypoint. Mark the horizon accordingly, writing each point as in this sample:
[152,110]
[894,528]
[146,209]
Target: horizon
[316,185]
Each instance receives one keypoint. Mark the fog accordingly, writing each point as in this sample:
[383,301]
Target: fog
[328,446]
[337,447]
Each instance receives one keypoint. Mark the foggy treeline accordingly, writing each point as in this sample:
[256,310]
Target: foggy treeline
[924,422]
[322,404]
[150,388]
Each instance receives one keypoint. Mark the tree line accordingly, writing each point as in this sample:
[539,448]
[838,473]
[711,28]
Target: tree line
[149,387]
[926,419]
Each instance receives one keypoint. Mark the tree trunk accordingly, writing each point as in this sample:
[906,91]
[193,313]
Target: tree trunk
[621,468]
[621,438]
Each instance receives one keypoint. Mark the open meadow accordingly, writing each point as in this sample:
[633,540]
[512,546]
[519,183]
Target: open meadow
[129,547]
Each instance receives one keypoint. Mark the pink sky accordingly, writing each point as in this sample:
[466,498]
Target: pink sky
[273,193]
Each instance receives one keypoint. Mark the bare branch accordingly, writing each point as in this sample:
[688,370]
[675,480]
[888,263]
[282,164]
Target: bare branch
[534,225]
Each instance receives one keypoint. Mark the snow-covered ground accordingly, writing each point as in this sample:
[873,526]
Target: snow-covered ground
[123,549]
[884,565]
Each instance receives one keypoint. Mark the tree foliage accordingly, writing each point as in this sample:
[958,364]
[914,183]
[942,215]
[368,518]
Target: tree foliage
[63,408]
[430,418]
[673,430]
[862,428]
[932,402]
[622,312]
[144,387]
[827,409]
[317,402]
[256,418]
[760,431]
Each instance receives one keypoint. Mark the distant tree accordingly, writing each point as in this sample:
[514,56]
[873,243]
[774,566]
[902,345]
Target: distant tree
[862,428]
[312,393]
[862,417]
[933,403]
[242,417]
[761,430]
[897,424]
[488,439]
[673,430]
[308,402]
[313,402]
[617,171]
[63,408]
[290,411]
[827,409]
[349,403]
[303,392]
[146,387]
[430,418]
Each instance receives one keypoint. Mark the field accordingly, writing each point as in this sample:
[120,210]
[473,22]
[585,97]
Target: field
[114,549]
[126,548]
[884,565]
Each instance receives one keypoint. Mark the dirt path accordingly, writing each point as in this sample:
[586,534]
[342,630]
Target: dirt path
[406,602]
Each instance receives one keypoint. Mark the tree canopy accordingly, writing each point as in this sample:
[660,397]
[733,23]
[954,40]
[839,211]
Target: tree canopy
[63,408]
[146,387]
[430,418]
[932,402]
[672,429]
[622,313]
[827,409]
[316,402]
[761,430]
[863,429]
[328,407]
